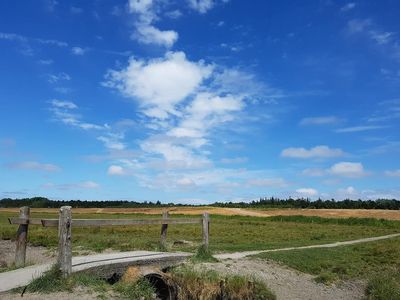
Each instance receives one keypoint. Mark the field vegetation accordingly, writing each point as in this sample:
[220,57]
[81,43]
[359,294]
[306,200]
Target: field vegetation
[227,233]
[377,262]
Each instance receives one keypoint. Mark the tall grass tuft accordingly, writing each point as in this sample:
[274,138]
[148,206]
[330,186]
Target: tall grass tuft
[207,284]
[384,286]
[203,255]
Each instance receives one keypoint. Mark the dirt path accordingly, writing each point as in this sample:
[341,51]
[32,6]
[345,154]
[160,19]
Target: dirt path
[237,255]
[289,284]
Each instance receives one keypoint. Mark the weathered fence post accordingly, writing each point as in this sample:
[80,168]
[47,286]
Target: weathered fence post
[64,241]
[206,223]
[22,238]
[164,228]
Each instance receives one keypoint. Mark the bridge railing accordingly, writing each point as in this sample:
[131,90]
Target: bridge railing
[65,223]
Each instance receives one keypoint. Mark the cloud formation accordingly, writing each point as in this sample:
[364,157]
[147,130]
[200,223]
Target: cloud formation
[321,151]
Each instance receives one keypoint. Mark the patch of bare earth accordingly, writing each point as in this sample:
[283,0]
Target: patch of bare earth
[77,293]
[34,255]
[289,284]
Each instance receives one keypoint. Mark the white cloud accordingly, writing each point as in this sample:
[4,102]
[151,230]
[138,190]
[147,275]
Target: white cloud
[348,169]
[63,104]
[268,182]
[33,165]
[148,34]
[54,78]
[78,50]
[326,120]
[321,151]
[359,128]
[116,171]
[347,7]
[174,14]
[73,186]
[358,26]
[145,31]
[381,38]
[235,160]
[159,84]
[112,141]
[309,192]
[45,61]
[202,6]
[394,173]
[349,191]
[314,172]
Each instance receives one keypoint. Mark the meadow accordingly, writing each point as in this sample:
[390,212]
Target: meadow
[227,233]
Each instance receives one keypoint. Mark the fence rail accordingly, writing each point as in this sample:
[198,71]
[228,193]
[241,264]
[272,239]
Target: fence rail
[65,223]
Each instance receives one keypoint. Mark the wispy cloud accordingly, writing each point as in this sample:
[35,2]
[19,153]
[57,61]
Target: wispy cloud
[347,7]
[321,151]
[359,128]
[33,165]
[90,185]
[324,120]
[348,169]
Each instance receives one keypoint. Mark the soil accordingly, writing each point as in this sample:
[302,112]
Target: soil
[326,213]
[289,284]
[34,255]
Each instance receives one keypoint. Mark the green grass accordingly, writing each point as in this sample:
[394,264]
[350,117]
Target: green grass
[345,262]
[207,284]
[227,233]
[141,289]
[384,286]
[203,255]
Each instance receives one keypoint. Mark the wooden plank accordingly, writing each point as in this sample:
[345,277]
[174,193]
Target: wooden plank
[206,224]
[25,221]
[164,228]
[121,222]
[22,238]
[64,241]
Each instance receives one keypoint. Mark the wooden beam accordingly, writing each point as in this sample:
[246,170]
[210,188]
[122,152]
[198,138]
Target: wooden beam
[164,228]
[121,222]
[22,238]
[206,224]
[25,221]
[64,241]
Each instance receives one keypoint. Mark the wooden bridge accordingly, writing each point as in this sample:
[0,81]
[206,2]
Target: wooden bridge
[103,265]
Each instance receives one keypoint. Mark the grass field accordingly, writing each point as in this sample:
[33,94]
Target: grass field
[227,233]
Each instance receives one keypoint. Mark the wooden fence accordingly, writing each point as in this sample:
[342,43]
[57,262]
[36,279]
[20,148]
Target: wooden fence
[65,223]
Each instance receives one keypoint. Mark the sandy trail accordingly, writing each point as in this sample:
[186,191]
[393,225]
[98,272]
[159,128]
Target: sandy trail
[238,255]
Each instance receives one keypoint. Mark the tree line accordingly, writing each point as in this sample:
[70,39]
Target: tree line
[317,204]
[41,202]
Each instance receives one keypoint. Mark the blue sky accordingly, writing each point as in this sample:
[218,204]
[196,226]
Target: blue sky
[196,101]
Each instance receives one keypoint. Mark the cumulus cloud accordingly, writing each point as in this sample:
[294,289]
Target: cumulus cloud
[348,169]
[202,6]
[321,151]
[159,84]
[33,165]
[146,32]
[308,192]
[116,171]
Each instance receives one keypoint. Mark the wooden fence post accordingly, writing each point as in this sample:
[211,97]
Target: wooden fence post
[22,238]
[206,223]
[64,241]
[164,228]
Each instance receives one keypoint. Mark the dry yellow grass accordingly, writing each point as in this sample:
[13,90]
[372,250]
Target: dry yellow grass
[326,213]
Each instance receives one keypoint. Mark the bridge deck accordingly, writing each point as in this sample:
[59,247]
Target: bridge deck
[104,265]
